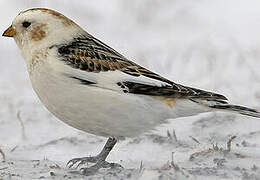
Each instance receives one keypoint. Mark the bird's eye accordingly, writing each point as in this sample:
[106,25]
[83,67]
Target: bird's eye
[26,24]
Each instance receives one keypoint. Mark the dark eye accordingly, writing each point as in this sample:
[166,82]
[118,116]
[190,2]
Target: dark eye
[26,24]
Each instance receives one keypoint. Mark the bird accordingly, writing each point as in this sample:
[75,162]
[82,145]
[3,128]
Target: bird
[93,88]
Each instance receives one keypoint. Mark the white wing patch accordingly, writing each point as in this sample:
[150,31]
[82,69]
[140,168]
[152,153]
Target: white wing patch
[110,79]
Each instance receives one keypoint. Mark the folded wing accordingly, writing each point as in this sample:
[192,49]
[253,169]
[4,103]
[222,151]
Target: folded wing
[88,54]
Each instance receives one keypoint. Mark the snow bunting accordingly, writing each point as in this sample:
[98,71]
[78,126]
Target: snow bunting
[92,87]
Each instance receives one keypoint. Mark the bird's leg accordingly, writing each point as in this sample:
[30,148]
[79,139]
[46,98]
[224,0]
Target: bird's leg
[99,160]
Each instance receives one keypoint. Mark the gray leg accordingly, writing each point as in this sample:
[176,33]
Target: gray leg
[99,160]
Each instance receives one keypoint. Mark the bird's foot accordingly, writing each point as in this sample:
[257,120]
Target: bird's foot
[82,161]
[100,164]
[99,160]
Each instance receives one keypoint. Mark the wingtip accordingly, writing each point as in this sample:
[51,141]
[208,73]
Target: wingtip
[238,109]
[222,97]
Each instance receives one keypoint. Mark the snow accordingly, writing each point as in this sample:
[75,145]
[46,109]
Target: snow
[213,45]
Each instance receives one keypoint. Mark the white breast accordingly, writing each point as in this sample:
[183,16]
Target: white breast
[92,109]
[100,111]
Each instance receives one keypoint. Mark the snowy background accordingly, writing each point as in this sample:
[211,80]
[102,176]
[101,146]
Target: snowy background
[213,45]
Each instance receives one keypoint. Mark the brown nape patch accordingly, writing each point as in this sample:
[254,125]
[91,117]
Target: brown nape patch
[66,21]
[169,101]
[38,33]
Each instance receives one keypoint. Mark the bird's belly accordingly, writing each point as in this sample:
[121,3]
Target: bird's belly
[98,111]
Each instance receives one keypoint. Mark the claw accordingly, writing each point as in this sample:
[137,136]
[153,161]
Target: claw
[81,163]
[72,162]
[99,160]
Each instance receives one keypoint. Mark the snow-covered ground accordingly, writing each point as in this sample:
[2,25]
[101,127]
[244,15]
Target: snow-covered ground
[214,45]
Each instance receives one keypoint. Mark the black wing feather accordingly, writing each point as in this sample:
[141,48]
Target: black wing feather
[90,54]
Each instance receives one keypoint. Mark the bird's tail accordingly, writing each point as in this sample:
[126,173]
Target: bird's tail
[224,106]
[237,109]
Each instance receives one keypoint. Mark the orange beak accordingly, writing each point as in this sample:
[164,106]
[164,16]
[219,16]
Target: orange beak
[10,32]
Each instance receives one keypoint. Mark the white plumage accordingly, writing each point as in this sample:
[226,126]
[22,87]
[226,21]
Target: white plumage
[101,109]
[91,87]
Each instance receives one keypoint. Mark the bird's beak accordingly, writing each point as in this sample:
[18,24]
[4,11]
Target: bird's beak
[10,32]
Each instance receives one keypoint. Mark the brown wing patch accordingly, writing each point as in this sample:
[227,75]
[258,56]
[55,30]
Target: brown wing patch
[169,101]
[93,60]
[38,32]
[89,54]
[93,64]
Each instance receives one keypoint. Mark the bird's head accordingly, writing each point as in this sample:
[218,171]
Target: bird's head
[40,28]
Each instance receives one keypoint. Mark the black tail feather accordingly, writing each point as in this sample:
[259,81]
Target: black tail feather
[239,109]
